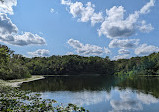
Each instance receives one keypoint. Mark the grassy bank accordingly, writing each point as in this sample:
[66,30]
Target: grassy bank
[17,82]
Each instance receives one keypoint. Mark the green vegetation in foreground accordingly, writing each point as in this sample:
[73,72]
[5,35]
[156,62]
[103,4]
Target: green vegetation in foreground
[16,100]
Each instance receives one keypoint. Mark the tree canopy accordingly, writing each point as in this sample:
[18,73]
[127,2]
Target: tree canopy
[13,66]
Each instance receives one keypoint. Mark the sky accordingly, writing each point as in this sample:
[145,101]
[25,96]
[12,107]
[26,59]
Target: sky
[115,28]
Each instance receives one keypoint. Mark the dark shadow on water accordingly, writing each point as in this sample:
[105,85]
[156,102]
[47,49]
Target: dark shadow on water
[147,85]
[70,83]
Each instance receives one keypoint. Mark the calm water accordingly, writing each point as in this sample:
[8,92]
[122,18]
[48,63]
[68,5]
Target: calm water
[101,94]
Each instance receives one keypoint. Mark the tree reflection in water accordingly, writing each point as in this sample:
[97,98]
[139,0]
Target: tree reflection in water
[98,93]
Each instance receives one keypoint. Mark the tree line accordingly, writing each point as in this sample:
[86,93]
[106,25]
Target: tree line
[14,66]
[146,65]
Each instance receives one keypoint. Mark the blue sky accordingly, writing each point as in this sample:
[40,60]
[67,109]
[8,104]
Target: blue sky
[114,28]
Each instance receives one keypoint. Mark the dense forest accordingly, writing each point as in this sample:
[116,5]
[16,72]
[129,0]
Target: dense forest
[69,64]
[10,65]
[146,65]
[14,66]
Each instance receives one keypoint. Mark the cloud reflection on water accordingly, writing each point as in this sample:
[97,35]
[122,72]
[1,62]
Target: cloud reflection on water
[115,101]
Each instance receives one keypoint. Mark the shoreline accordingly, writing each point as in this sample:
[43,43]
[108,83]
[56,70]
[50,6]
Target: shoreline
[18,82]
[73,75]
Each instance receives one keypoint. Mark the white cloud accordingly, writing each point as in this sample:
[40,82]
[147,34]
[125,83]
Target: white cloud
[6,25]
[145,27]
[75,43]
[123,51]
[86,49]
[96,18]
[22,40]
[115,26]
[124,56]
[146,8]
[64,2]
[106,50]
[7,6]
[84,13]
[145,49]
[40,53]
[124,43]
[52,10]
[9,34]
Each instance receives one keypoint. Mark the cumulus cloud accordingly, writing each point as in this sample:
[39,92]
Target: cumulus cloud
[22,40]
[86,49]
[75,43]
[96,18]
[84,12]
[40,53]
[145,49]
[124,43]
[6,25]
[123,51]
[9,34]
[115,26]
[7,6]
[124,56]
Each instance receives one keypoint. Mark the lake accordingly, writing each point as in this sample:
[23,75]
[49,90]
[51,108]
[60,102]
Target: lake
[99,93]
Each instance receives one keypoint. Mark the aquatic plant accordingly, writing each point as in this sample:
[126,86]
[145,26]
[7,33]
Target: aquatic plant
[16,100]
